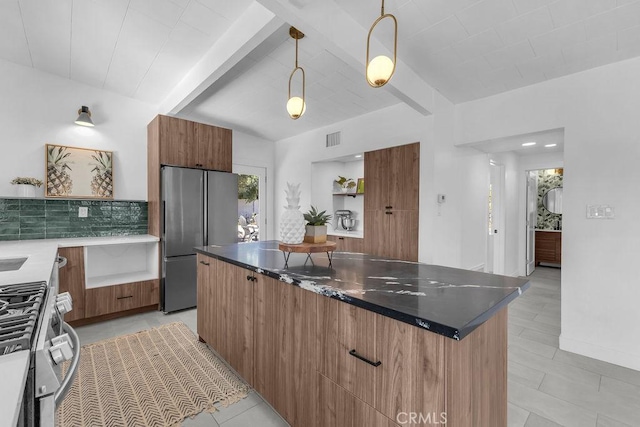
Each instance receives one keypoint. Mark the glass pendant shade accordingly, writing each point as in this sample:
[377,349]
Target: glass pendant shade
[379,70]
[84,118]
[296,107]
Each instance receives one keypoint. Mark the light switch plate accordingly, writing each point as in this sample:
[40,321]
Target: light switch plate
[600,212]
[83,212]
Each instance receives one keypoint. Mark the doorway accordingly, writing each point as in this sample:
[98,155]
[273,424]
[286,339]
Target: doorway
[544,218]
[252,221]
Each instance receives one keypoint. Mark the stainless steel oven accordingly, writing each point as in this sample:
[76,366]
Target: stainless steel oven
[33,322]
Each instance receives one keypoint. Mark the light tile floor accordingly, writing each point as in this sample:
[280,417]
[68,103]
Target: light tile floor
[547,386]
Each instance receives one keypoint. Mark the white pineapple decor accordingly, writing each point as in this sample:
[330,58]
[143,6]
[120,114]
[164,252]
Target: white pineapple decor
[292,223]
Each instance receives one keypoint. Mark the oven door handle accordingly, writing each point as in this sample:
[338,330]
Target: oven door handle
[60,394]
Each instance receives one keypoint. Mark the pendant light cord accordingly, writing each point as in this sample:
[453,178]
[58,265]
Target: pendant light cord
[382,9]
[296,52]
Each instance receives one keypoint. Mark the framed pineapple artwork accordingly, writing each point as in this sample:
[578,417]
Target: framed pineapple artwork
[78,173]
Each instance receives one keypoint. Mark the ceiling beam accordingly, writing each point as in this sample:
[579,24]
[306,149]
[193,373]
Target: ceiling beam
[253,27]
[334,29]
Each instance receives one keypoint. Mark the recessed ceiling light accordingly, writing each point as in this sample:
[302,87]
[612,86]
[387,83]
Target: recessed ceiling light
[550,145]
[528,144]
[357,156]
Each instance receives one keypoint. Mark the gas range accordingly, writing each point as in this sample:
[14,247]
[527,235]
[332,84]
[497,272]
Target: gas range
[32,327]
[19,310]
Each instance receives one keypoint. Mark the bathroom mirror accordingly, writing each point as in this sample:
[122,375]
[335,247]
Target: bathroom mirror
[552,200]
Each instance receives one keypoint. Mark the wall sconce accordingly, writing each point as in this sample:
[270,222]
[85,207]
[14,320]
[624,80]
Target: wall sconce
[381,68]
[84,118]
[296,105]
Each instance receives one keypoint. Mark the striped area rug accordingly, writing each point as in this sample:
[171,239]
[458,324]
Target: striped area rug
[156,377]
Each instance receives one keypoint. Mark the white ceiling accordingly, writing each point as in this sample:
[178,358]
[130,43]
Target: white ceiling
[466,49]
[138,48]
[253,97]
[514,143]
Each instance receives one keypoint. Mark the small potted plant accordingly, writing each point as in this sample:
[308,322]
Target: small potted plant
[346,184]
[26,186]
[316,228]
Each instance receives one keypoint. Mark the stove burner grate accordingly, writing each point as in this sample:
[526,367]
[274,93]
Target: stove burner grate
[19,309]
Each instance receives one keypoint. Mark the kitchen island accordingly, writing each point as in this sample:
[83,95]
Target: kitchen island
[370,341]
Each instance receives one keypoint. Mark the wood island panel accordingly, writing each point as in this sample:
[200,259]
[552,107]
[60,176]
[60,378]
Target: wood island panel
[476,375]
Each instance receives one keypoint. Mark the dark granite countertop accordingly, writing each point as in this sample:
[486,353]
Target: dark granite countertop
[448,301]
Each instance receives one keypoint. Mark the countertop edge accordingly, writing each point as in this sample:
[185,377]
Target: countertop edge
[14,377]
[426,324]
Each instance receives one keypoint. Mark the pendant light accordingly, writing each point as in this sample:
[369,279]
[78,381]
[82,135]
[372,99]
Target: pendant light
[84,118]
[381,68]
[296,105]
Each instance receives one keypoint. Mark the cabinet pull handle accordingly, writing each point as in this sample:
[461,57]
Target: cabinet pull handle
[389,213]
[340,238]
[252,278]
[357,356]
[204,263]
[128,296]
[388,207]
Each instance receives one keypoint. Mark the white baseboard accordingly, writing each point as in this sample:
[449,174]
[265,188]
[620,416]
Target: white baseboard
[479,267]
[627,360]
[515,273]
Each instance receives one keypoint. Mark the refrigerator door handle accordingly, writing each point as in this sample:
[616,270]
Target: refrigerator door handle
[164,219]
[205,209]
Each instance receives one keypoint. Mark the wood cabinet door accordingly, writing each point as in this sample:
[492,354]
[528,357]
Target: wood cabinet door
[206,301]
[411,377]
[403,235]
[72,281]
[339,408]
[404,177]
[177,142]
[214,147]
[285,349]
[233,294]
[376,178]
[345,332]
[376,233]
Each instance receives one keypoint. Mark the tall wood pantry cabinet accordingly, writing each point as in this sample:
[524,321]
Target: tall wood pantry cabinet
[392,178]
[177,142]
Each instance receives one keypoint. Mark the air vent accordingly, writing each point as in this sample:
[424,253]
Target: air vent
[333,139]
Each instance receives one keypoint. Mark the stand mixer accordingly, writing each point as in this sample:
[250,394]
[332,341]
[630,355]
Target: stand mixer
[344,219]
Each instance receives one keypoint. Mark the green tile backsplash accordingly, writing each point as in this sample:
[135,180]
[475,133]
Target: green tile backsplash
[23,219]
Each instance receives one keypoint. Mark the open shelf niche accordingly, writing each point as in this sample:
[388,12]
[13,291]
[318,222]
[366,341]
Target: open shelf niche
[326,195]
[107,265]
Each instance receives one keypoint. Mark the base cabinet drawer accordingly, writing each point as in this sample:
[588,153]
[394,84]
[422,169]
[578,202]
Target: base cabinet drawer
[112,299]
[339,408]
[347,244]
[389,365]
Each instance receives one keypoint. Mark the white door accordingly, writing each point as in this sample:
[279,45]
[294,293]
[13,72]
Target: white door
[496,239]
[532,219]
[253,210]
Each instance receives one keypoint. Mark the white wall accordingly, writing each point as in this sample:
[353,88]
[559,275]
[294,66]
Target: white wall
[443,169]
[250,150]
[37,108]
[598,110]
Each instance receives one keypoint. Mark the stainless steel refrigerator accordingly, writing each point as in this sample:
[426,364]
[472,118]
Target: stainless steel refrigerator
[199,208]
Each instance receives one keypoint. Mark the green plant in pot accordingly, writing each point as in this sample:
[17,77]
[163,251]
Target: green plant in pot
[316,228]
[346,184]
